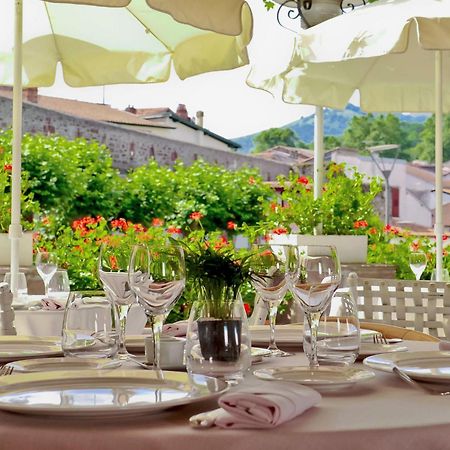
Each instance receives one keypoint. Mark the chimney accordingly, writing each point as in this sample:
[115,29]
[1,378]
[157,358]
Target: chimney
[31,94]
[199,115]
[182,111]
[131,109]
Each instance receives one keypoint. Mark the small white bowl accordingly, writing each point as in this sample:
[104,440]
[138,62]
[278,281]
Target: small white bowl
[172,352]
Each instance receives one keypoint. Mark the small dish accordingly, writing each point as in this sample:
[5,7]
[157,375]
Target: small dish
[13,348]
[65,363]
[324,378]
[172,352]
[436,369]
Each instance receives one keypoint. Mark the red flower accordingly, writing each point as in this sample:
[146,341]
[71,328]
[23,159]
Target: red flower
[273,206]
[113,262]
[280,230]
[221,243]
[373,230]
[444,237]
[267,238]
[303,180]
[196,215]
[360,224]
[415,246]
[251,180]
[138,227]
[266,253]
[7,167]
[387,228]
[46,221]
[174,230]
[231,225]
[248,308]
[157,222]
[120,224]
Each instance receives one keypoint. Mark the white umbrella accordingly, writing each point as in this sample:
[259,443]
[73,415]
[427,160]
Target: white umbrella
[122,41]
[396,53]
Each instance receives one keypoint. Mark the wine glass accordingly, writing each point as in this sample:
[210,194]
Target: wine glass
[158,279]
[417,263]
[315,278]
[269,279]
[46,265]
[113,273]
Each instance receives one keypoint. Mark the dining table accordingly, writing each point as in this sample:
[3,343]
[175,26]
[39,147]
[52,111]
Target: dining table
[382,413]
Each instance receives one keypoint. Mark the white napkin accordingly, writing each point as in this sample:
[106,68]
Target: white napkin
[176,329]
[265,405]
[52,304]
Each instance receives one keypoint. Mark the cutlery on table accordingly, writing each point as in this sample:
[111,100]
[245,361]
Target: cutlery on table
[430,388]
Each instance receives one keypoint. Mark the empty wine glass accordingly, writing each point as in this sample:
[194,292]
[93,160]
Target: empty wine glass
[113,264]
[417,263]
[59,285]
[315,278]
[46,265]
[269,279]
[158,279]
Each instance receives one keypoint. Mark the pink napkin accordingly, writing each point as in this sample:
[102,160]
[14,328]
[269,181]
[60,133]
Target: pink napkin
[265,405]
[51,304]
[176,329]
[444,345]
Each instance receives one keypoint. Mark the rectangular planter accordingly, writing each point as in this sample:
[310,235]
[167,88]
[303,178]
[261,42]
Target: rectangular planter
[351,249]
[25,251]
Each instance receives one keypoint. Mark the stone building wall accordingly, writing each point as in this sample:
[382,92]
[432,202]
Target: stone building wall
[132,148]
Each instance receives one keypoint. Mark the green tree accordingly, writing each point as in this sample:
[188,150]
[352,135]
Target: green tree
[425,148]
[331,142]
[273,137]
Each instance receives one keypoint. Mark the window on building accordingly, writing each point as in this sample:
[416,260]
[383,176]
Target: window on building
[395,201]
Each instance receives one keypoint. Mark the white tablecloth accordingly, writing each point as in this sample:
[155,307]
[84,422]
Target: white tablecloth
[385,413]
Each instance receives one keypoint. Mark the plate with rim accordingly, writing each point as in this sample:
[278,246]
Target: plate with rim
[370,348]
[13,348]
[323,378]
[435,369]
[106,393]
[63,363]
[386,361]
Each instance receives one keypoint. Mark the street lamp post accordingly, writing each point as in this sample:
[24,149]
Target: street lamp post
[386,172]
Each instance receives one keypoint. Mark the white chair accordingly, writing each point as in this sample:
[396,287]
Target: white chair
[422,306]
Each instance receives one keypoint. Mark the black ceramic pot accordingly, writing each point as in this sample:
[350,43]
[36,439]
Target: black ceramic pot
[220,339]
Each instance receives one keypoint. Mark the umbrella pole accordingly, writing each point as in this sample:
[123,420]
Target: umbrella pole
[15,229]
[438,227]
[318,159]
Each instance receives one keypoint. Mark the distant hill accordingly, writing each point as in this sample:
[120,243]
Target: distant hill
[335,123]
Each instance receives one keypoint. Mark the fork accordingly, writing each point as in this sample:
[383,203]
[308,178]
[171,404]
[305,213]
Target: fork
[430,388]
[379,339]
[6,370]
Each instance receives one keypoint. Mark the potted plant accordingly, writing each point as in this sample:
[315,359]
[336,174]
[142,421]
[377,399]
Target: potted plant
[343,214]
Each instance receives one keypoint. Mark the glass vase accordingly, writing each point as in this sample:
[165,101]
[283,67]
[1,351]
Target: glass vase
[218,340]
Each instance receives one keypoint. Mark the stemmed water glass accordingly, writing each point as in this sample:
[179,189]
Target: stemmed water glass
[269,279]
[46,265]
[315,278]
[417,263]
[113,273]
[158,279]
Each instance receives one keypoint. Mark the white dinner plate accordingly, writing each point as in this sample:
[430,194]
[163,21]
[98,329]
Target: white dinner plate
[64,363]
[324,378]
[370,348]
[105,393]
[13,348]
[386,361]
[435,369]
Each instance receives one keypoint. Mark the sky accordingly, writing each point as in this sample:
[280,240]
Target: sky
[231,108]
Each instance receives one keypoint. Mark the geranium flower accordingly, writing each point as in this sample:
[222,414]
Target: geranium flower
[303,180]
[174,230]
[248,308]
[196,215]
[120,224]
[280,230]
[231,225]
[373,230]
[415,246]
[7,167]
[156,222]
[251,180]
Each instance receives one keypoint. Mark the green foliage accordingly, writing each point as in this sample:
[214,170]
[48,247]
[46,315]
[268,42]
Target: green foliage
[425,148]
[273,137]
[345,207]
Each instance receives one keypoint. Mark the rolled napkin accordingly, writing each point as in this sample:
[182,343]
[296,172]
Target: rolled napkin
[176,329]
[444,345]
[265,405]
[51,304]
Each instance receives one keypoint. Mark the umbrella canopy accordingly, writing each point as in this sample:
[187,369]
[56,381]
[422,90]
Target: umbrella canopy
[122,41]
[395,53]
[104,45]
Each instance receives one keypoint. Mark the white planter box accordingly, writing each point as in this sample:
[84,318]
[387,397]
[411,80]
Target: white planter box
[351,249]
[25,251]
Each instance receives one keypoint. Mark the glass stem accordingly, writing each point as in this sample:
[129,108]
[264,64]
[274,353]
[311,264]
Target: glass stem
[46,285]
[273,309]
[156,323]
[123,314]
[313,322]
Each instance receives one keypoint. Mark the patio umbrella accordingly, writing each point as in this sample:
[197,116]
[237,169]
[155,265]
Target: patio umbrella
[396,53]
[98,45]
